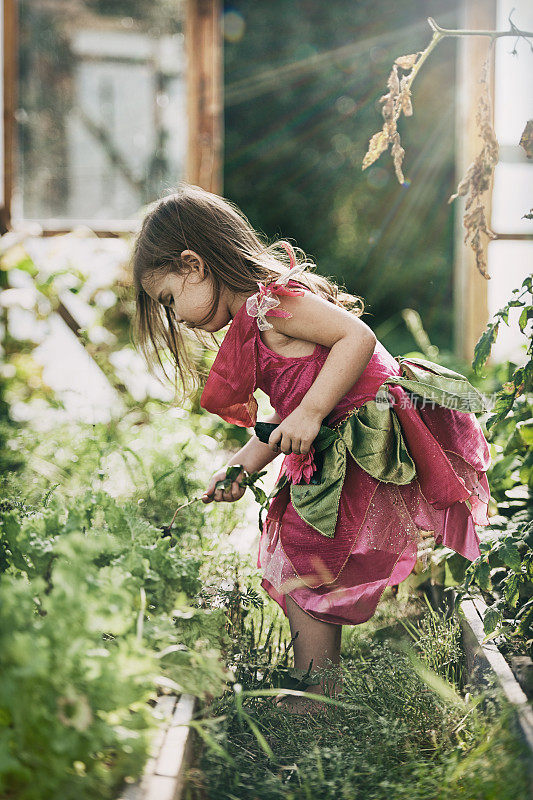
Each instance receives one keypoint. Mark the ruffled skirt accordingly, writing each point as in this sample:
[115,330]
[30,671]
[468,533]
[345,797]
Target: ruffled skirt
[380,525]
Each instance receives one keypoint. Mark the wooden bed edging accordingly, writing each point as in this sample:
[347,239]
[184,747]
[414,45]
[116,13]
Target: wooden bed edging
[483,659]
[164,773]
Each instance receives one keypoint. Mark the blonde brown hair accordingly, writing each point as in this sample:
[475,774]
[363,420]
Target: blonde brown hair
[235,255]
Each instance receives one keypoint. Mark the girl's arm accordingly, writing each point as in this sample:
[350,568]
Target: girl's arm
[253,457]
[255,454]
[351,343]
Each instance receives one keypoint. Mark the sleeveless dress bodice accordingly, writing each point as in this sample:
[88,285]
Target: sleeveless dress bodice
[244,363]
[287,379]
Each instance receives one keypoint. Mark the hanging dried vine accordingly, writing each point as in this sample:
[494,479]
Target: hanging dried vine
[479,175]
[478,178]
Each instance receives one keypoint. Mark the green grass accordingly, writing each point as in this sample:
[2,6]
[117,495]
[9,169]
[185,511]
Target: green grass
[402,729]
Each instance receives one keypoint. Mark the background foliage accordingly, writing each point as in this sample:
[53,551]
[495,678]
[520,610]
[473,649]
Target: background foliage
[302,85]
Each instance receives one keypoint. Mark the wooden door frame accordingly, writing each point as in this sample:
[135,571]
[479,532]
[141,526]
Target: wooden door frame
[204,76]
[471,309]
[203,44]
[9,66]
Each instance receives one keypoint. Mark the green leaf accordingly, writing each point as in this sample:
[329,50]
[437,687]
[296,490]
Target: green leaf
[511,589]
[504,314]
[482,575]
[509,554]
[514,444]
[528,376]
[502,406]
[254,476]
[491,619]
[259,494]
[26,264]
[484,346]
[525,429]
[526,473]
[518,376]
[233,472]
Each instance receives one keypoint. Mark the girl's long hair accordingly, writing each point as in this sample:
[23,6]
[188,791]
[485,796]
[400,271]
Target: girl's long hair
[236,257]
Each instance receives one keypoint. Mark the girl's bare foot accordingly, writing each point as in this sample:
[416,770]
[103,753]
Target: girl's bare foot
[299,705]
[294,704]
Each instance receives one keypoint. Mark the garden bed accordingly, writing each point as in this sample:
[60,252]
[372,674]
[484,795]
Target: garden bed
[163,776]
[484,659]
[97,612]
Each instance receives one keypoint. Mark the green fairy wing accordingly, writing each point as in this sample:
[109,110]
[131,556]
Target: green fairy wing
[439,384]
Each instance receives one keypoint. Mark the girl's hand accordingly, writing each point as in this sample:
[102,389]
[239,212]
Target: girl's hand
[296,433]
[229,495]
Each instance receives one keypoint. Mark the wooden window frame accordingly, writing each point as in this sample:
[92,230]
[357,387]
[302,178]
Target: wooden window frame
[204,71]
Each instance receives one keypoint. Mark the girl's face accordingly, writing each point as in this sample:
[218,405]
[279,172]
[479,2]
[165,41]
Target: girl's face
[189,296]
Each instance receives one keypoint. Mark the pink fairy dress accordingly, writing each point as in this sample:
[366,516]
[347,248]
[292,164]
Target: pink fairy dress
[379,524]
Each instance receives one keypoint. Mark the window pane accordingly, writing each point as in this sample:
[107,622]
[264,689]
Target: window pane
[514,95]
[101,117]
[512,197]
[508,264]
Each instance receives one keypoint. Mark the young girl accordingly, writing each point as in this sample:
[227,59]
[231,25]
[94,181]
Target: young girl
[394,470]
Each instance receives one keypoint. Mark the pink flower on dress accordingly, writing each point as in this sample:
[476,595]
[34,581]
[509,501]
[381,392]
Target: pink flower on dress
[299,465]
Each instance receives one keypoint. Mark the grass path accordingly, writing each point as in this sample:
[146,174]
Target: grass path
[403,732]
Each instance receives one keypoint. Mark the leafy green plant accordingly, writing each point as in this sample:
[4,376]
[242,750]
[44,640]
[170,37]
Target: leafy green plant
[504,574]
[96,613]
[257,648]
[75,678]
[521,381]
[29,545]
[504,570]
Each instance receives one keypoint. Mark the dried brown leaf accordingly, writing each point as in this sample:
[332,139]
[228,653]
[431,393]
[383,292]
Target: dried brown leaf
[395,102]
[378,144]
[398,153]
[405,96]
[478,179]
[406,62]
[464,185]
[475,223]
[393,81]
[526,140]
